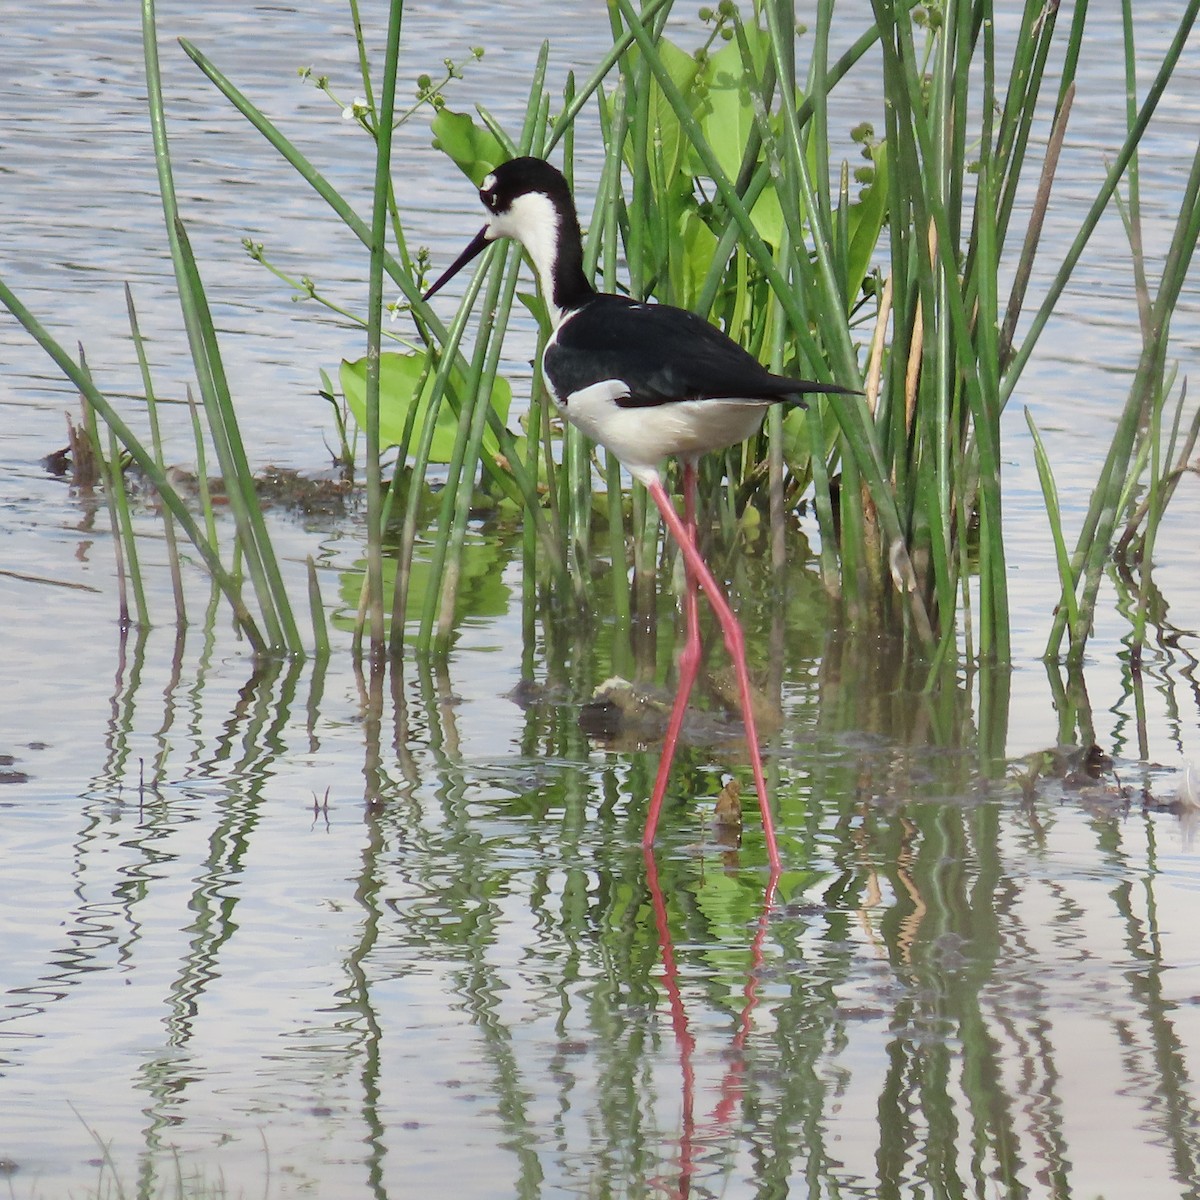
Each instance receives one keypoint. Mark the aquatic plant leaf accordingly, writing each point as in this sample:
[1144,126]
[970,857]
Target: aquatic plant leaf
[669,138]
[475,149]
[699,245]
[727,118]
[866,218]
[400,377]
[796,443]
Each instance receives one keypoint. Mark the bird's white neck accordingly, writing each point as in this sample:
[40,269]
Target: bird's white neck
[535,221]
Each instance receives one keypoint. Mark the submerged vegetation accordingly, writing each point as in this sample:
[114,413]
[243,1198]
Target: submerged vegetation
[719,190]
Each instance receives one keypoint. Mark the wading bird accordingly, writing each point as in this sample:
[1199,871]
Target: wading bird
[648,381]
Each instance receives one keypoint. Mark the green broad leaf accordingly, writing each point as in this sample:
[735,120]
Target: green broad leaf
[475,149]
[866,218]
[727,114]
[699,245]
[403,409]
[535,306]
[671,143]
[727,119]
[768,216]
[796,446]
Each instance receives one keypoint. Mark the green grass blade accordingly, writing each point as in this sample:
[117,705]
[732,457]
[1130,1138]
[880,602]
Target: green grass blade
[379,228]
[231,454]
[118,496]
[1066,577]
[156,444]
[316,608]
[206,504]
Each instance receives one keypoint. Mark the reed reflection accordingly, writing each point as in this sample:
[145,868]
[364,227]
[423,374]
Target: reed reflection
[467,949]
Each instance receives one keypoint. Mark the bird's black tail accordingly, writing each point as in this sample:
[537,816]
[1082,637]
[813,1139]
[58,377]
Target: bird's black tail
[810,387]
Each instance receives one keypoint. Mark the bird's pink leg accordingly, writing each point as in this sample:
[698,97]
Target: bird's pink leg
[689,656]
[697,569]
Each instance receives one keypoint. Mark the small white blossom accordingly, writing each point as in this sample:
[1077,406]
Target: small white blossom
[356,109]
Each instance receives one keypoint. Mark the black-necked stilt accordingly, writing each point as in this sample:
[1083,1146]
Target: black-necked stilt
[648,381]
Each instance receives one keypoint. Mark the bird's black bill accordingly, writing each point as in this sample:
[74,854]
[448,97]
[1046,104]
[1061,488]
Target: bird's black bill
[479,243]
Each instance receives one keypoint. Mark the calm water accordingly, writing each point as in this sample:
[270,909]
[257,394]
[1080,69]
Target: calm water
[311,934]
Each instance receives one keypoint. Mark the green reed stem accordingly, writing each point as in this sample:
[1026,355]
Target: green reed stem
[1066,576]
[106,465]
[156,443]
[460,476]
[379,227]
[206,504]
[223,428]
[1037,219]
[1154,501]
[316,607]
[118,494]
[446,365]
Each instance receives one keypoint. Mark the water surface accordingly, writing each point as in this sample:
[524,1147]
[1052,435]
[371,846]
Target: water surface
[317,934]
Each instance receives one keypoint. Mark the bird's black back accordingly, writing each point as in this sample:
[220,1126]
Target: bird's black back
[662,354]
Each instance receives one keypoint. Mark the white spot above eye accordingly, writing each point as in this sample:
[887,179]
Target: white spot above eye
[488,183]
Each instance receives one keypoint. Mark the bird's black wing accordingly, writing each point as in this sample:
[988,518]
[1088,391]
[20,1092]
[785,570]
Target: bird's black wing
[662,354]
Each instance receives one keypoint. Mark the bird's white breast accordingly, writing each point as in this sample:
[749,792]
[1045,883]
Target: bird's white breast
[642,437]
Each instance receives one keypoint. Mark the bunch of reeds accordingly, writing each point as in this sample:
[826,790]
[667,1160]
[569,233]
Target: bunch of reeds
[717,191]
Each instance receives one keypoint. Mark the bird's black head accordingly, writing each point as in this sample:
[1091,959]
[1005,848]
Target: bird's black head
[529,200]
[521,177]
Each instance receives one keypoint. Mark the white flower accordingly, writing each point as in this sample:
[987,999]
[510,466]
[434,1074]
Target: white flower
[356,109]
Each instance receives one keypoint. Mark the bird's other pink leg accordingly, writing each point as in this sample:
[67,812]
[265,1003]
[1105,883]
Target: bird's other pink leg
[736,642]
[689,657]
